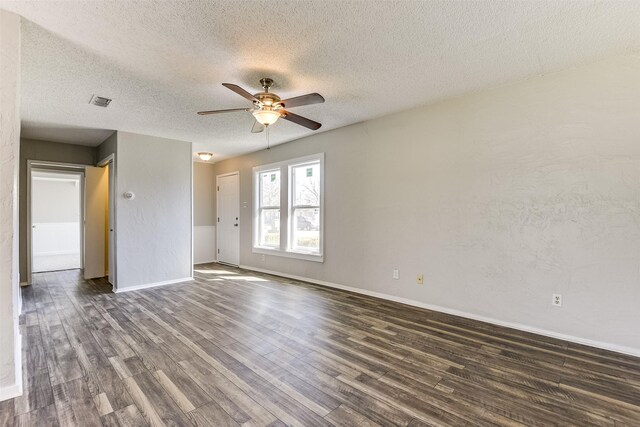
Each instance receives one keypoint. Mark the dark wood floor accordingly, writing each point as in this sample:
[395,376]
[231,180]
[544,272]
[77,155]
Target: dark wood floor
[239,348]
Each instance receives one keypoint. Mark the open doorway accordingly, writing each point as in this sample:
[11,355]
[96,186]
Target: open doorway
[71,218]
[56,226]
[108,172]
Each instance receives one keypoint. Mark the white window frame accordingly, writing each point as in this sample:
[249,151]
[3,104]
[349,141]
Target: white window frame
[286,209]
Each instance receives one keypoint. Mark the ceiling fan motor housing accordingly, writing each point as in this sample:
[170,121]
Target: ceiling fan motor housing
[267,99]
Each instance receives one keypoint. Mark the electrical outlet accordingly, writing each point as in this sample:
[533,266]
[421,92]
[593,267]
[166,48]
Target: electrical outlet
[557,300]
[420,279]
[396,273]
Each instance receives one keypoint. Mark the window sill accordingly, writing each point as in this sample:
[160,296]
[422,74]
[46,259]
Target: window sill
[288,254]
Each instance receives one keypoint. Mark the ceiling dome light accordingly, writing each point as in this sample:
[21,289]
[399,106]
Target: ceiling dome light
[266,117]
[205,156]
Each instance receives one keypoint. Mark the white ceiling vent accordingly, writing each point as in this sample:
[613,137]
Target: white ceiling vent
[100,101]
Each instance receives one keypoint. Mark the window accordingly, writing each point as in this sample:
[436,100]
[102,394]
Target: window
[305,207]
[296,229]
[269,209]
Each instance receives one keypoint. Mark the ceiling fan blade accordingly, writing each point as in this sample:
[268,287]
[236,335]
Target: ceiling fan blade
[257,127]
[230,110]
[310,98]
[243,93]
[299,120]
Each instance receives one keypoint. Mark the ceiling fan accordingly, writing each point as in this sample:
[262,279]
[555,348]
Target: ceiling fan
[268,107]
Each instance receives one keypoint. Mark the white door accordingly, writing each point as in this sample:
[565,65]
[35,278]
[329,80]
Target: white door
[95,222]
[228,230]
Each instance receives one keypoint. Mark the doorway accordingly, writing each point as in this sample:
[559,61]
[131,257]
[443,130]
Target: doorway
[228,229]
[56,226]
[96,222]
[101,220]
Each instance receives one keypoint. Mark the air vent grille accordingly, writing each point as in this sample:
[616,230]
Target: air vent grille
[100,101]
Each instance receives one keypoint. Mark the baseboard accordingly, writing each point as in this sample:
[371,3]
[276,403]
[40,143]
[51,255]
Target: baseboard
[10,392]
[152,285]
[577,340]
[14,390]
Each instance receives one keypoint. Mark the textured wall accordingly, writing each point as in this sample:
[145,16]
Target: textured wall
[153,230]
[10,364]
[51,152]
[500,198]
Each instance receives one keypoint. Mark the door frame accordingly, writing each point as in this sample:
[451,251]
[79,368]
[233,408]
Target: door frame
[53,167]
[112,199]
[217,216]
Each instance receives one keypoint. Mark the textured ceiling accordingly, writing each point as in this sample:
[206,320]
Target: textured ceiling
[163,61]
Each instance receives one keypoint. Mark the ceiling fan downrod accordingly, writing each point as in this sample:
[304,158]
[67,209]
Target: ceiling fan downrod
[266,84]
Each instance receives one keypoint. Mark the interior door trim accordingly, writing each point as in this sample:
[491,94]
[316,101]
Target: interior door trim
[59,167]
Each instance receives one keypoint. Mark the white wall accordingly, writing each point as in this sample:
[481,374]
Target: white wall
[153,231]
[56,200]
[10,345]
[501,198]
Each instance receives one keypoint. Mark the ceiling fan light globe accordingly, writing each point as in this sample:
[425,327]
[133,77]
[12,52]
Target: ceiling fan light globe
[266,117]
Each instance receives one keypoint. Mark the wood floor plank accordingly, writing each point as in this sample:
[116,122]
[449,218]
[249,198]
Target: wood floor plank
[344,416]
[37,394]
[239,405]
[142,402]
[130,416]
[102,404]
[168,411]
[44,416]
[176,394]
[75,405]
[211,415]
[7,412]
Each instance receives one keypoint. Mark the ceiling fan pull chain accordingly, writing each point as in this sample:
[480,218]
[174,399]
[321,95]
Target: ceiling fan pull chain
[268,145]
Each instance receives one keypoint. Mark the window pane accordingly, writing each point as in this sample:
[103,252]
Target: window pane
[270,189]
[306,184]
[306,230]
[270,227]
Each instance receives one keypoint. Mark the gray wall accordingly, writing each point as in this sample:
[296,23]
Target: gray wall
[45,151]
[204,194]
[153,231]
[109,146]
[500,198]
